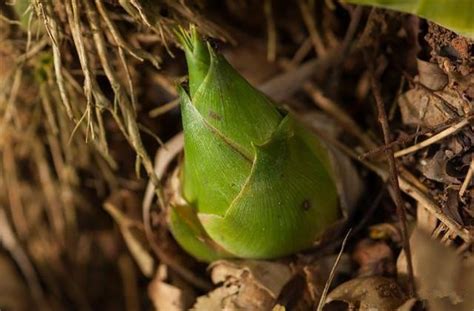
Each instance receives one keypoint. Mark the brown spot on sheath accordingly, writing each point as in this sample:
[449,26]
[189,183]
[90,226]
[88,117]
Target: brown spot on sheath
[306,205]
[215,115]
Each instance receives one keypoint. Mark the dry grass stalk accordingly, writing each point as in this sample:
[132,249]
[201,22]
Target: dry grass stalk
[435,138]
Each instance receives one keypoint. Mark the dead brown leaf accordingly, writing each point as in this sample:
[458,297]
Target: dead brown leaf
[443,278]
[451,205]
[317,273]
[373,258]
[434,168]
[166,296]
[246,285]
[420,107]
[431,76]
[367,293]
[425,220]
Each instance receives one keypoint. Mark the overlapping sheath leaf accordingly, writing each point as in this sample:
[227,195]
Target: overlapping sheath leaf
[286,201]
[258,185]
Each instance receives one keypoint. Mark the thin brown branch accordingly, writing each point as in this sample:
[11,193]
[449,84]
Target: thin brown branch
[408,184]
[468,178]
[302,52]
[428,131]
[271,31]
[425,143]
[158,111]
[382,118]
[308,19]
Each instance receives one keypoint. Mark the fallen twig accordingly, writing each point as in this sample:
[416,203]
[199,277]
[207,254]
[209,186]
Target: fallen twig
[425,143]
[407,185]
[308,19]
[382,118]
[158,111]
[271,31]
[468,179]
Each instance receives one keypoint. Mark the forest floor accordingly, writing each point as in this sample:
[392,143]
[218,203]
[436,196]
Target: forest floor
[88,96]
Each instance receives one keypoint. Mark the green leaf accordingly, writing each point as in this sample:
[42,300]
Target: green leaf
[189,233]
[229,103]
[456,15]
[214,168]
[197,57]
[285,205]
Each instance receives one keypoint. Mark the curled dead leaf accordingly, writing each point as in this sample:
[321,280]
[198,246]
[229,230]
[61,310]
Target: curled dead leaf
[367,293]
[166,296]
[270,276]
[435,168]
[431,75]
[421,107]
[246,285]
